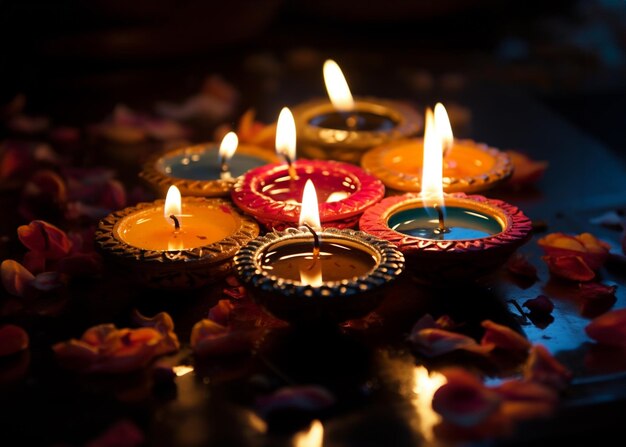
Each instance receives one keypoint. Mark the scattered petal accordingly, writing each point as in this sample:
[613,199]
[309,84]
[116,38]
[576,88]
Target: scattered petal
[572,268]
[593,251]
[522,390]
[433,342]
[525,169]
[47,281]
[597,298]
[41,236]
[463,400]
[541,305]
[123,433]
[15,277]
[209,338]
[13,339]
[34,261]
[220,313]
[164,324]
[519,265]
[498,336]
[609,328]
[542,367]
[311,398]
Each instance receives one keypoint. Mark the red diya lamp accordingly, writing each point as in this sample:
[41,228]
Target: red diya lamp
[447,236]
[343,128]
[272,193]
[468,166]
[312,275]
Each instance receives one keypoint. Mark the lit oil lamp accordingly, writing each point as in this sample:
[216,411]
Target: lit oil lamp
[177,243]
[468,166]
[344,129]
[447,236]
[314,275]
[204,169]
[272,193]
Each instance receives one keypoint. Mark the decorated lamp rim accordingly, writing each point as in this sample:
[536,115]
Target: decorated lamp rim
[389,265]
[501,171]
[209,188]
[517,227]
[247,195]
[408,121]
[109,242]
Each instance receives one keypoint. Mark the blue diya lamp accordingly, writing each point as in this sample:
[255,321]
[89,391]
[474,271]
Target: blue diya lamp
[206,170]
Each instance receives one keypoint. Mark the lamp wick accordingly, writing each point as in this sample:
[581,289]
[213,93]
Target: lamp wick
[176,222]
[316,241]
[224,168]
[291,167]
[442,223]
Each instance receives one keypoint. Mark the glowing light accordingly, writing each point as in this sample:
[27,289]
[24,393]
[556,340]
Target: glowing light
[337,87]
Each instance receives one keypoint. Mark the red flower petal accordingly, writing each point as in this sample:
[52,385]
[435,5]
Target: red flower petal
[609,328]
[597,298]
[41,236]
[522,390]
[13,339]
[503,337]
[518,265]
[572,268]
[542,367]
[15,278]
[541,305]
[464,400]
[209,338]
[526,170]
[592,250]
[34,261]
[220,313]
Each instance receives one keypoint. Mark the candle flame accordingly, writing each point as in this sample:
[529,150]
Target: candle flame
[309,213]
[228,146]
[444,129]
[432,167]
[337,87]
[172,205]
[286,135]
[424,386]
[312,438]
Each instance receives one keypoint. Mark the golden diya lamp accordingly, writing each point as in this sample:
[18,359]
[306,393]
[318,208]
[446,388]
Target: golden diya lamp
[344,128]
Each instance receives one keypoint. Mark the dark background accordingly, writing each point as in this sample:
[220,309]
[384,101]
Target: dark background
[76,60]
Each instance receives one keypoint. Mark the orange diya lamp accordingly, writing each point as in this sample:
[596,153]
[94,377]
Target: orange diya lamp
[312,275]
[177,242]
[343,128]
[447,236]
[204,170]
[468,166]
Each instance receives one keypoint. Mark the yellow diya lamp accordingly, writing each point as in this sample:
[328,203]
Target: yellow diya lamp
[344,128]
[179,242]
[468,166]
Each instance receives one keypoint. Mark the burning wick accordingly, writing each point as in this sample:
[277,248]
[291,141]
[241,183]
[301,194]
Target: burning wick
[316,241]
[228,146]
[291,168]
[442,225]
[176,222]
[352,121]
[224,168]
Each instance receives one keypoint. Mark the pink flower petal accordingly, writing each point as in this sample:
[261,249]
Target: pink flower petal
[542,367]
[609,328]
[293,398]
[15,278]
[41,236]
[433,342]
[463,400]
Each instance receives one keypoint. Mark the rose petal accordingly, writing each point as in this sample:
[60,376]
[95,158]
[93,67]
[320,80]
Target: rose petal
[463,400]
[433,342]
[572,268]
[541,305]
[16,279]
[593,251]
[522,390]
[75,354]
[296,398]
[503,337]
[597,298]
[518,265]
[609,328]
[41,236]
[13,339]
[526,170]
[164,324]
[34,261]
[123,433]
[220,313]
[209,338]
[542,367]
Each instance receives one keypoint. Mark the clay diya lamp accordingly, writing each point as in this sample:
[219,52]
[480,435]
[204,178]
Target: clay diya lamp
[447,237]
[310,275]
[179,243]
[343,128]
[272,193]
[204,170]
[468,166]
